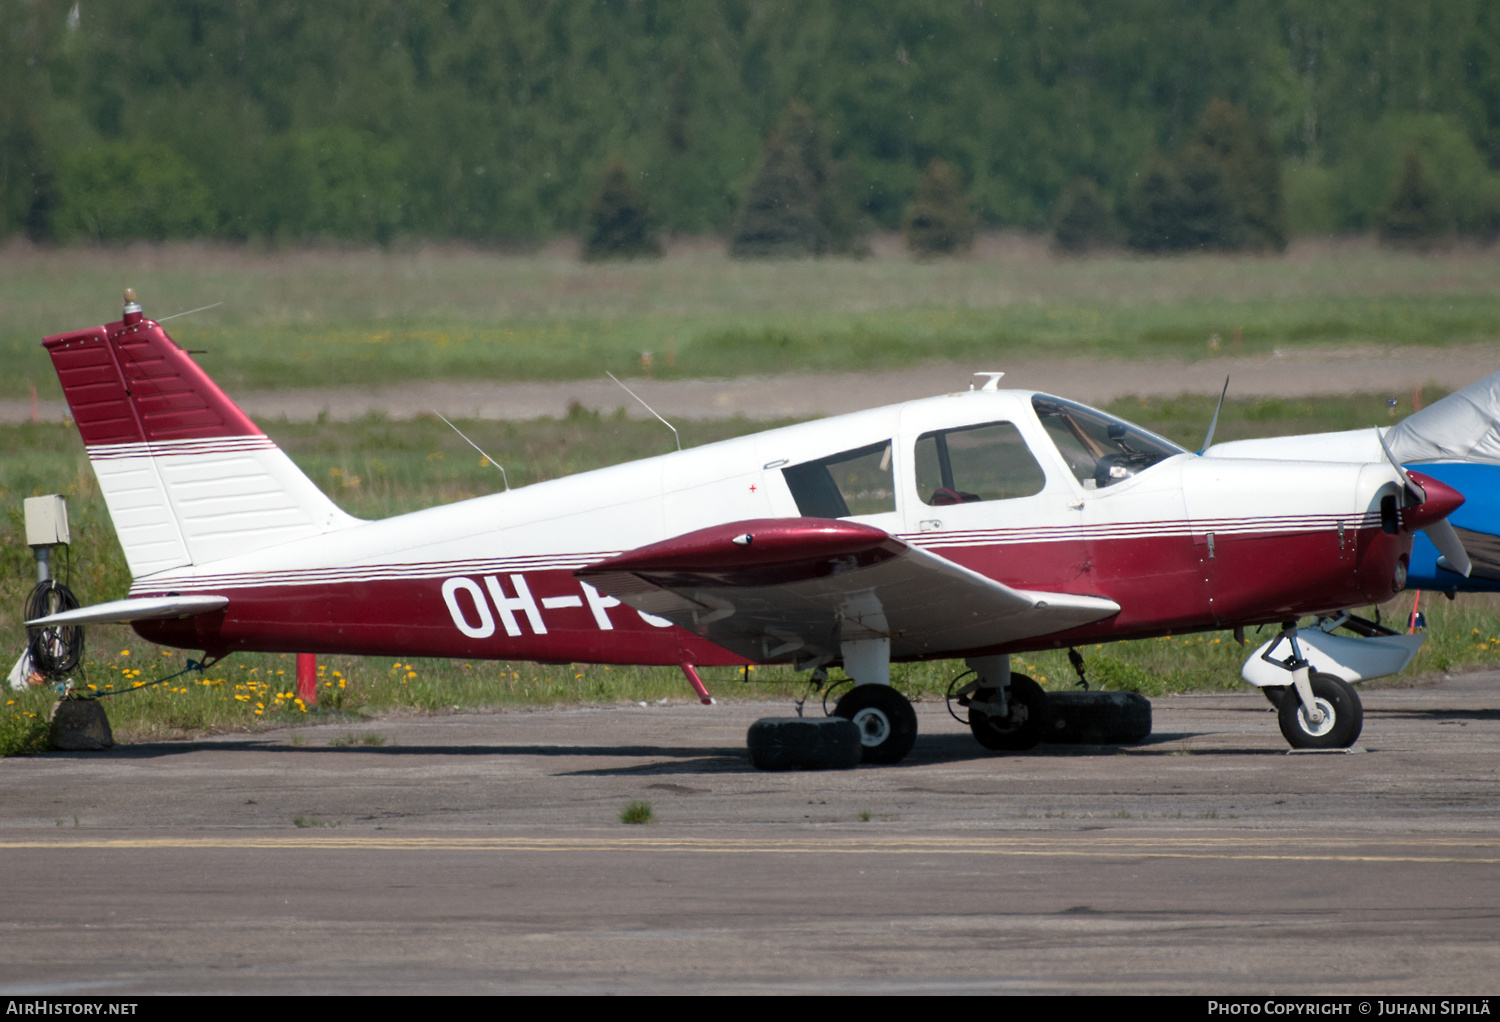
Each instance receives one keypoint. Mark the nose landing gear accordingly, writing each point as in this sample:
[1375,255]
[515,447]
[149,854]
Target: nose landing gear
[1339,719]
[1317,710]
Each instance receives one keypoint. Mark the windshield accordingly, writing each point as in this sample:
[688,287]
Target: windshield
[1099,449]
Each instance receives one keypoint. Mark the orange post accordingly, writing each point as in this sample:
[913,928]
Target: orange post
[307,678]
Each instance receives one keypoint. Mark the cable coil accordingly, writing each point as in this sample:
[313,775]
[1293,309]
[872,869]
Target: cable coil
[54,649]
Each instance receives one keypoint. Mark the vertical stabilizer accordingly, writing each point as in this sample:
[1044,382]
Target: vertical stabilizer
[187,477]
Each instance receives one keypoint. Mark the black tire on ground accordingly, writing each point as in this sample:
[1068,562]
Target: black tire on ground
[1336,698]
[887,723]
[1274,694]
[1029,719]
[804,743]
[1098,718]
[1358,715]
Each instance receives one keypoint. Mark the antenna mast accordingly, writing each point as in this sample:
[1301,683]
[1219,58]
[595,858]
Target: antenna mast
[648,408]
[476,447]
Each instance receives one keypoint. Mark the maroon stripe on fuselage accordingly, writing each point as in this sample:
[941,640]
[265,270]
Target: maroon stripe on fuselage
[1164,585]
[412,617]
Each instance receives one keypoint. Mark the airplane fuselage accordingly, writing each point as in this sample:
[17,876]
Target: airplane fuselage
[1186,544]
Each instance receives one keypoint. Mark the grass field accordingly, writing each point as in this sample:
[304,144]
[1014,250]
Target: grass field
[375,468]
[356,317]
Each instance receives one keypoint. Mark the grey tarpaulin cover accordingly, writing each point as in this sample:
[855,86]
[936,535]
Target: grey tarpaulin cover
[1464,426]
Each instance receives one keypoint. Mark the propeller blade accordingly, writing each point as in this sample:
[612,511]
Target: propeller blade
[1445,537]
[1415,490]
[1215,421]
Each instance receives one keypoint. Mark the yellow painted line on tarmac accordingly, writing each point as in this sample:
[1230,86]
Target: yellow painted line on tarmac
[1062,846]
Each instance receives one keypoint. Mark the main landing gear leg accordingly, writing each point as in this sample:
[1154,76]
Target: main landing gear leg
[1007,711]
[885,718]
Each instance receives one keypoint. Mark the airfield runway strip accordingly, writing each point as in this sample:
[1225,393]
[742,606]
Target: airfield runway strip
[483,853]
[1312,849]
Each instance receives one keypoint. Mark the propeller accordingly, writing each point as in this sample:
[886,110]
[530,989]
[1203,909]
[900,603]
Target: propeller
[1454,557]
[1441,532]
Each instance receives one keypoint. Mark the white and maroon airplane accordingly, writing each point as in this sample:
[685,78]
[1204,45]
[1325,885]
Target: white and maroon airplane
[974,525]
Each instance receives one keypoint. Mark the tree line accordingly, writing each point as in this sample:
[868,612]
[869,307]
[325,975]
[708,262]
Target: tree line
[1161,124]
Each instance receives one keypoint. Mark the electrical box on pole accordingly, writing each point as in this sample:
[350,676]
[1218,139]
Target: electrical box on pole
[46,526]
[47,520]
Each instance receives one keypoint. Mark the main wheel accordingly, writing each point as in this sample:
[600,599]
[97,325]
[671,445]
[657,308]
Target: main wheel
[1343,715]
[887,723]
[1025,724]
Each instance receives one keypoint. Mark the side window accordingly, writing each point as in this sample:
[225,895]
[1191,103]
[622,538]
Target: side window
[973,463]
[856,482]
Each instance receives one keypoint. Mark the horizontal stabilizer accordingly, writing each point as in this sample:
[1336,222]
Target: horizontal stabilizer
[122,611]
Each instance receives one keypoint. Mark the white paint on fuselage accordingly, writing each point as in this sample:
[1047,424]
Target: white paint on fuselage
[627,506]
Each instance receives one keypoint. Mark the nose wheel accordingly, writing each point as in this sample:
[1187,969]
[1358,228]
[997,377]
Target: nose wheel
[1343,716]
[887,723]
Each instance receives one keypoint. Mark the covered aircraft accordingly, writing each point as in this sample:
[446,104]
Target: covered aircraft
[972,525]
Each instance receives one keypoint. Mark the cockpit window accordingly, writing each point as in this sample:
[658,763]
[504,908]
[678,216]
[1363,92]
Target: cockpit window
[858,482]
[974,463]
[1100,449]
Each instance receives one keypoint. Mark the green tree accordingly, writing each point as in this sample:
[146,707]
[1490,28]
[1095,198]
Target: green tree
[779,215]
[1465,191]
[118,191]
[619,220]
[1083,221]
[1155,209]
[1250,173]
[840,227]
[940,217]
[1411,218]
[479,115]
[336,183]
[1210,217]
[29,36]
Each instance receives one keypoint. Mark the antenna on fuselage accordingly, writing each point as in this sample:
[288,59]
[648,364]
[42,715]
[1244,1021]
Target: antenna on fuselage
[476,447]
[1213,424]
[993,383]
[648,408]
[177,315]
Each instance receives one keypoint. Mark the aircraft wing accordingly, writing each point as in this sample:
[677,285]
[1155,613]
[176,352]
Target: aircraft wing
[783,588]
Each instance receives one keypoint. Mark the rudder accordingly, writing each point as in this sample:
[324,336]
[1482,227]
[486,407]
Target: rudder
[188,478]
